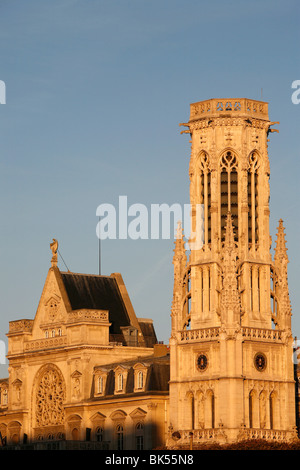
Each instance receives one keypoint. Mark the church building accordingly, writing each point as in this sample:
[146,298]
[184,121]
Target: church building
[87,373]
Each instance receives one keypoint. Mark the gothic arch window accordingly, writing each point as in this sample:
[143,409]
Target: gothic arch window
[274,412]
[274,301]
[253,198]
[229,191]
[252,409]
[49,397]
[205,284]
[210,410]
[191,409]
[205,193]
[186,308]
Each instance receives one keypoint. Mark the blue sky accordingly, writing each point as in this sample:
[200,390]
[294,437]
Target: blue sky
[95,92]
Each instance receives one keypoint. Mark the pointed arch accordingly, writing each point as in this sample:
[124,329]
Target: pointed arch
[274,410]
[190,410]
[253,409]
[254,161]
[200,192]
[228,178]
[210,409]
[263,409]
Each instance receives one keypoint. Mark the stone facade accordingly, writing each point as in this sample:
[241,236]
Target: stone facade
[86,371]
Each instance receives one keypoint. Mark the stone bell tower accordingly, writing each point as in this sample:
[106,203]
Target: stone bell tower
[231,339]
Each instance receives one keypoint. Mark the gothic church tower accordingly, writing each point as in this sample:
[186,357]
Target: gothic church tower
[231,341]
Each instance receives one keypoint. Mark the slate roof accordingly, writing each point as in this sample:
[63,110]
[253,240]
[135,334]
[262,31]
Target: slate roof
[99,293]
[158,375]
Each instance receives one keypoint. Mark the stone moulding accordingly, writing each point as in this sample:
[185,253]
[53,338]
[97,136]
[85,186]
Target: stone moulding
[229,106]
[267,434]
[86,314]
[48,343]
[262,334]
[199,436]
[20,326]
[214,333]
[196,335]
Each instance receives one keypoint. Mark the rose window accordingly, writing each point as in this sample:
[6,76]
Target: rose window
[50,397]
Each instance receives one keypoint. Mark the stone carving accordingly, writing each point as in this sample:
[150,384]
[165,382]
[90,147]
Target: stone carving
[54,248]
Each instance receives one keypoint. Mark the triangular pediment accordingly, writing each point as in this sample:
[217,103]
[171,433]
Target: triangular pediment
[76,374]
[54,304]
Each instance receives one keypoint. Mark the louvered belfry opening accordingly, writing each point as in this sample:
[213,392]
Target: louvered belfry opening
[229,191]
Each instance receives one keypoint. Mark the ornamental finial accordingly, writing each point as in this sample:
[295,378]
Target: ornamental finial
[54,248]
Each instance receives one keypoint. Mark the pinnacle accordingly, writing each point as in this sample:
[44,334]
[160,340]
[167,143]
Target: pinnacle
[280,249]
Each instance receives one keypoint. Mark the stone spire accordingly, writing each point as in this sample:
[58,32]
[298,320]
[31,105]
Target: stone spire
[281,249]
[230,298]
[281,279]
[179,262]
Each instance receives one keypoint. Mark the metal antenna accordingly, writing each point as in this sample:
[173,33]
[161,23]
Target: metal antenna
[99,249]
[63,260]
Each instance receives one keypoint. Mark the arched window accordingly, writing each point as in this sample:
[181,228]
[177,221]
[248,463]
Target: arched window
[120,437]
[139,436]
[274,413]
[120,382]
[210,410]
[229,191]
[252,409]
[140,381]
[253,199]
[99,434]
[100,385]
[205,194]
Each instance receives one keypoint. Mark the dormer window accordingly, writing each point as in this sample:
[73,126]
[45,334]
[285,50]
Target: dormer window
[120,382]
[140,379]
[121,374]
[100,385]
[100,381]
[140,376]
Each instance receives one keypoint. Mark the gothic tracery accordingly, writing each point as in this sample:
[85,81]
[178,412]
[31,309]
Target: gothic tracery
[50,396]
